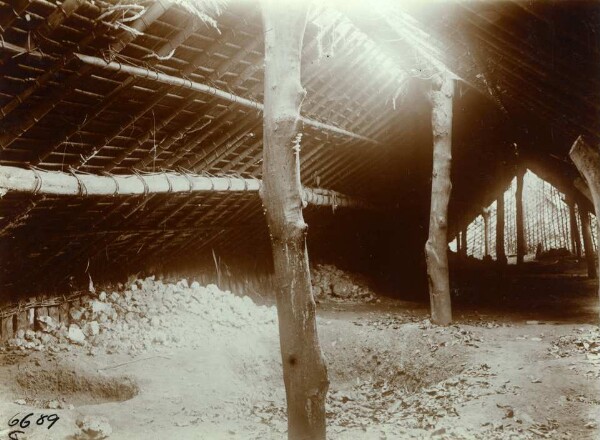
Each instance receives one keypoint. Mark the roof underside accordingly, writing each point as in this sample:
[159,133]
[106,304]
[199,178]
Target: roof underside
[530,77]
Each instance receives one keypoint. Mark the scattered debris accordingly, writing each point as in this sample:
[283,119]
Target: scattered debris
[94,427]
[401,413]
[586,342]
[389,321]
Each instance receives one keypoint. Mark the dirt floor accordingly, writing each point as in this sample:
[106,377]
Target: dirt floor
[200,369]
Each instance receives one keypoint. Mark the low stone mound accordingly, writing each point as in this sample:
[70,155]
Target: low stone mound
[333,284]
[149,313]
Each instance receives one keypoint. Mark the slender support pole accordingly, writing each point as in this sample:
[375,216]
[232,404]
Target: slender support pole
[575,237]
[500,250]
[486,231]
[520,223]
[304,369]
[463,241]
[587,160]
[436,249]
[588,246]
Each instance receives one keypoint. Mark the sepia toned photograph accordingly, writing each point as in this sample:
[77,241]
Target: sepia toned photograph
[299,219]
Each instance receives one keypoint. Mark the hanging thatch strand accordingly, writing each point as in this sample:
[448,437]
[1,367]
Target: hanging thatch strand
[76,184]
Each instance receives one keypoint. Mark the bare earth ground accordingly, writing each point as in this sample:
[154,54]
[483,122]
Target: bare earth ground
[393,376]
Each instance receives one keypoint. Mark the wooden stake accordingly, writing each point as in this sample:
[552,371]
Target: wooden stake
[304,370]
[588,245]
[575,237]
[519,217]
[436,248]
[587,160]
[500,251]
[486,231]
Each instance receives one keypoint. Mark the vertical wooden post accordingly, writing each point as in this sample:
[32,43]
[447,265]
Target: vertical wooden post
[463,241]
[63,313]
[7,329]
[575,237]
[22,321]
[520,221]
[486,231]
[500,250]
[588,246]
[587,160]
[39,313]
[304,370]
[436,249]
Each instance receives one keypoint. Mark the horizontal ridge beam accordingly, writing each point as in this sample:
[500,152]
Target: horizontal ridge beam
[57,183]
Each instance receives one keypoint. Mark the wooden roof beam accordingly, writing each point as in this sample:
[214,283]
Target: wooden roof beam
[13,179]
[206,89]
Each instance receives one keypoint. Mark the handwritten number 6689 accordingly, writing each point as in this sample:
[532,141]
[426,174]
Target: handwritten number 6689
[24,422]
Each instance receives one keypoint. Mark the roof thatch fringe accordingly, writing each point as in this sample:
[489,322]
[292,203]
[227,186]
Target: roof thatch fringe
[205,10]
[324,16]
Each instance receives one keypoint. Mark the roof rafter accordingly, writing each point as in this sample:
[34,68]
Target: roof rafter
[206,89]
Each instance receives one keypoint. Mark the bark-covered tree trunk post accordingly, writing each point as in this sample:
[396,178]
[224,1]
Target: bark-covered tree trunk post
[436,248]
[520,217]
[575,238]
[500,251]
[304,370]
[587,160]
[588,245]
